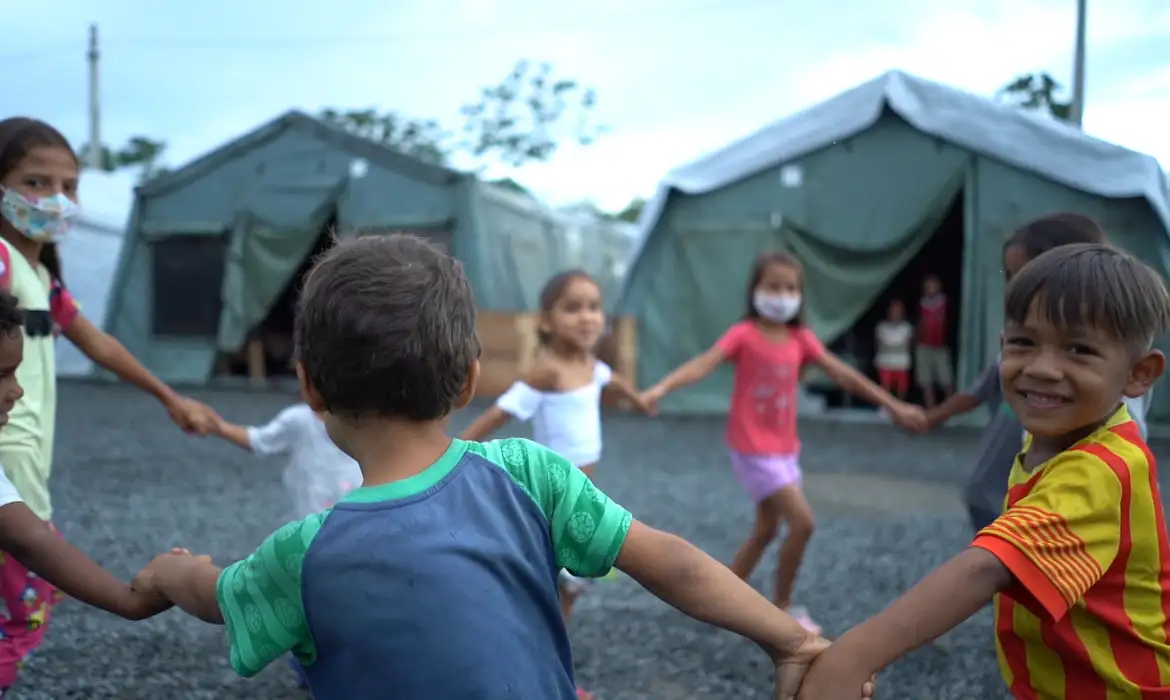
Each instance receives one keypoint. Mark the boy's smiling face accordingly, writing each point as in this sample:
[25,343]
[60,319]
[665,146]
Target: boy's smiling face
[1066,381]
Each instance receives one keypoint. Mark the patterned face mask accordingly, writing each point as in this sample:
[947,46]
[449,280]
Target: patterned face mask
[42,219]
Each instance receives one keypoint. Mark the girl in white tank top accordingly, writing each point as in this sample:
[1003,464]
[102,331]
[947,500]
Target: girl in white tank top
[561,393]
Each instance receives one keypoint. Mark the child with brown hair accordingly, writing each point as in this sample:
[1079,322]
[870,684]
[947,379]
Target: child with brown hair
[769,347]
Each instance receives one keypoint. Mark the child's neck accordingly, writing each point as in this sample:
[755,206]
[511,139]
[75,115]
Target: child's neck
[389,450]
[568,353]
[1044,448]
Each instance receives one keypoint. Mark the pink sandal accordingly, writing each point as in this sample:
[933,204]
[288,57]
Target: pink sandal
[801,615]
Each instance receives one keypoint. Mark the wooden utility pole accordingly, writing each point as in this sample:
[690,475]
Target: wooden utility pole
[94,157]
[1076,112]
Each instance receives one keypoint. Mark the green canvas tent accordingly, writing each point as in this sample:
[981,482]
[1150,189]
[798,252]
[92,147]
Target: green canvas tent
[872,190]
[216,249]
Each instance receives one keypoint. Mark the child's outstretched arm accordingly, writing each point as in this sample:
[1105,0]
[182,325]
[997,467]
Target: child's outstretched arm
[233,433]
[624,389]
[967,400]
[188,582]
[30,540]
[940,602]
[591,534]
[693,370]
[275,437]
[521,401]
[856,383]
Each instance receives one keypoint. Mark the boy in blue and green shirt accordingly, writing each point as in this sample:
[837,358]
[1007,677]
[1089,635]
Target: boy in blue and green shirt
[437,578]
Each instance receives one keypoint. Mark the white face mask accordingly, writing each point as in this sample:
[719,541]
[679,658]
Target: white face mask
[779,308]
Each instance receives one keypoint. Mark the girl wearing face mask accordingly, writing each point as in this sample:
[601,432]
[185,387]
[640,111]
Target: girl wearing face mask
[769,347]
[38,203]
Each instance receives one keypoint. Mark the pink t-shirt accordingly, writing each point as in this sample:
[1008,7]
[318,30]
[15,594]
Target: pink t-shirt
[762,420]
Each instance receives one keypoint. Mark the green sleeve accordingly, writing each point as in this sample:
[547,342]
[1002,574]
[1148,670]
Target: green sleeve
[260,599]
[587,528]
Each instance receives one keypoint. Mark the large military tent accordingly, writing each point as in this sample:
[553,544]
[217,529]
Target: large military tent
[215,251]
[872,190]
[89,255]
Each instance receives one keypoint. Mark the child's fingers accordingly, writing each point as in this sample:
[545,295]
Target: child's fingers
[180,550]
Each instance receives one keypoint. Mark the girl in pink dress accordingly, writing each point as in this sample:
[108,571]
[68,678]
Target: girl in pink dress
[769,347]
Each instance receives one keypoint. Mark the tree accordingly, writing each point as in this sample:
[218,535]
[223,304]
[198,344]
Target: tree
[632,211]
[516,122]
[139,151]
[423,139]
[1037,91]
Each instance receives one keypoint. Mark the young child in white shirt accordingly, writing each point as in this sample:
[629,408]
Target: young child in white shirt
[894,337]
[316,475]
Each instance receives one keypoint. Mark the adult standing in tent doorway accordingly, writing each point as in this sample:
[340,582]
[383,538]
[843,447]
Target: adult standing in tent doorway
[38,202]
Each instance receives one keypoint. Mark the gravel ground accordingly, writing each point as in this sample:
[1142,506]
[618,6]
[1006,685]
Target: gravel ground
[127,485]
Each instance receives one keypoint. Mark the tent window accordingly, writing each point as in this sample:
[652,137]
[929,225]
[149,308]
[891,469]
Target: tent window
[188,281]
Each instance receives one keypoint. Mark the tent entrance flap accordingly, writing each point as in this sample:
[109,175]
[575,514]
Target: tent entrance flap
[942,256]
[270,239]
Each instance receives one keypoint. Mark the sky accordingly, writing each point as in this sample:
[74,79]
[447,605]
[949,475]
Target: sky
[675,78]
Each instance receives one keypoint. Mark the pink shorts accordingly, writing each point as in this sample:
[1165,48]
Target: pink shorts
[763,475]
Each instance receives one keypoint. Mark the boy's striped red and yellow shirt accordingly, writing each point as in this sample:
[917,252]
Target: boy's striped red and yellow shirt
[1088,614]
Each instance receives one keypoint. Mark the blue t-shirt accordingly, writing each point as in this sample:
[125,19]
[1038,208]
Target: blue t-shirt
[442,585]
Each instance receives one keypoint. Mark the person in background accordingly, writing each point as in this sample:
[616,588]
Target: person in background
[561,393]
[39,176]
[769,347]
[932,354]
[316,473]
[1077,563]
[987,486]
[894,337]
[24,536]
[437,578]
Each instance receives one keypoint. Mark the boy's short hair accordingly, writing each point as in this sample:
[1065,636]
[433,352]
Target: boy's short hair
[1054,230]
[1094,285]
[386,327]
[11,316]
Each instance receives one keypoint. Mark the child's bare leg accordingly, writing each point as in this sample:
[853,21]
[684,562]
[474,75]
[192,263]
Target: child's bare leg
[796,511]
[568,598]
[763,532]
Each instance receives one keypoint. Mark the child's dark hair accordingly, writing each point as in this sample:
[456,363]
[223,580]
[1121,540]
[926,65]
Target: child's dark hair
[554,289]
[386,327]
[1095,285]
[11,316]
[762,263]
[1054,230]
[18,136]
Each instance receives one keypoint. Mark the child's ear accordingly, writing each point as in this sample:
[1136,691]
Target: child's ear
[1145,371]
[468,391]
[309,393]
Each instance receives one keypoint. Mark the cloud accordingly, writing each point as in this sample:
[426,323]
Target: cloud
[676,78]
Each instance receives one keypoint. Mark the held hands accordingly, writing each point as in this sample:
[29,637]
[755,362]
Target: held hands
[192,416]
[909,417]
[793,670]
[648,400]
[831,677]
[145,600]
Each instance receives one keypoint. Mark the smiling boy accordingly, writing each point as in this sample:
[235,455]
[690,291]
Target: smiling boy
[1079,562]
